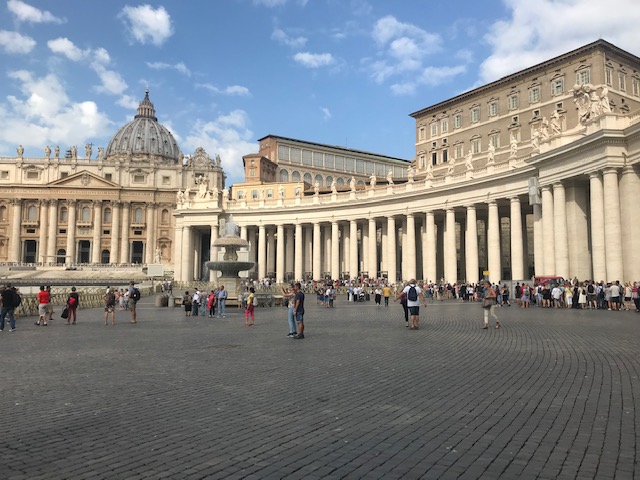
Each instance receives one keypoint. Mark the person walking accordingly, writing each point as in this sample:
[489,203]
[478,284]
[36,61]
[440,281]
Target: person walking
[44,297]
[110,306]
[249,309]
[386,293]
[414,293]
[489,305]
[9,298]
[211,304]
[377,295]
[73,300]
[298,310]
[222,302]
[134,296]
[289,295]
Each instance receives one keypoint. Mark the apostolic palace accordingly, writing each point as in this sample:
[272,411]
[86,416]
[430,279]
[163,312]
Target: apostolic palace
[535,173]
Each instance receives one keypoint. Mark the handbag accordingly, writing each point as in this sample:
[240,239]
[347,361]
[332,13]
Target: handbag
[65,313]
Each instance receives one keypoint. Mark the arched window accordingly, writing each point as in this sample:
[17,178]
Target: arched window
[106,216]
[61,256]
[284,175]
[329,180]
[295,176]
[63,214]
[318,180]
[307,178]
[164,216]
[32,213]
[85,215]
[340,181]
[3,214]
[138,215]
[105,256]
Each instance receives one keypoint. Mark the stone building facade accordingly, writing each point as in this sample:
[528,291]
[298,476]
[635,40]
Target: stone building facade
[113,207]
[537,173]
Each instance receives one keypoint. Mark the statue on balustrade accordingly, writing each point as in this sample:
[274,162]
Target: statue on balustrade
[47,152]
[352,184]
[56,152]
[468,163]
[372,181]
[20,151]
[390,177]
[554,123]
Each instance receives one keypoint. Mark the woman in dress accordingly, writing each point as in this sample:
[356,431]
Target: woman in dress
[582,297]
[524,299]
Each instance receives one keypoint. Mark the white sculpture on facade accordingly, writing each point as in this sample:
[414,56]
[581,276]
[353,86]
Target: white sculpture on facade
[372,181]
[491,154]
[352,184]
[535,140]
[20,151]
[180,197]
[468,163]
[554,123]
[47,152]
[390,177]
[316,188]
[513,146]
[544,129]
[100,153]
[334,186]
[429,171]
[88,150]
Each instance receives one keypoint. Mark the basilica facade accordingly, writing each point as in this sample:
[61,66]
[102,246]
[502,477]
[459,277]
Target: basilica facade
[534,174]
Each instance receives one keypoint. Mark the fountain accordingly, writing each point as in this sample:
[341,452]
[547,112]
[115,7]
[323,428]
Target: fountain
[230,266]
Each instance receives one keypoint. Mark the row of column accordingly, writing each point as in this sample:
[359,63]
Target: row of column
[48,230]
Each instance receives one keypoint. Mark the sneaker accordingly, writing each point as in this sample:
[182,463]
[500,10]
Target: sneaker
[11,330]
[37,323]
[299,336]
[291,335]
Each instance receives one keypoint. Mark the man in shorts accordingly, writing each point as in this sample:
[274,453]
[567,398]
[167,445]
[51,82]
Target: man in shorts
[44,297]
[110,306]
[133,300]
[413,293]
[298,310]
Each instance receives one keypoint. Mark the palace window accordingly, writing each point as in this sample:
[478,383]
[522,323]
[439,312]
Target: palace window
[3,214]
[475,114]
[138,215]
[493,109]
[340,181]
[4,175]
[85,215]
[318,159]
[459,150]
[269,192]
[283,152]
[254,194]
[583,76]
[295,176]
[422,133]
[534,95]
[32,213]
[328,161]
[108,177]
[434,129]
[33,175]
[329,180]
[457,120]
[368,168]
[339,162]
[307,178]
[284,175]
[164,216]
[444,125]
[434,158]
[64,213]
[359,166]
[295,155]
[475,145]
[494,139]
[318,180]
[622,78]
[608,76]
[635,84]
[557,87]
[349,163]
[241,194]
[422,162]
[306,157]
[513,102]
[445,156]
[166,180]
[139,178]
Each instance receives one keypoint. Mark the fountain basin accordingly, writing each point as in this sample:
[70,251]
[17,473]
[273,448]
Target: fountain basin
[230,268]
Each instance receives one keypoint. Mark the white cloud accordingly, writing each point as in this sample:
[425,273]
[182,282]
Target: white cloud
[237,90]
[326,113]
[13,42]
[537,31]
[227,136]
[314,60]
[66,47]
[430,76]
[128,101]
[403,48]
[44,114]
[112,82]
[27,13]
[281,37]
[178,67]
[146,24]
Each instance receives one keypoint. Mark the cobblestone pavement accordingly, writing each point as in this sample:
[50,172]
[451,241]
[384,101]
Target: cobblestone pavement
[553,394]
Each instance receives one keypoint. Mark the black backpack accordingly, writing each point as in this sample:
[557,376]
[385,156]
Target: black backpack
[135,294]
[590,288]
[412,294]
[17,299]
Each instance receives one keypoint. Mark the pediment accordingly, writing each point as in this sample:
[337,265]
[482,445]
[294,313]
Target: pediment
[84,179]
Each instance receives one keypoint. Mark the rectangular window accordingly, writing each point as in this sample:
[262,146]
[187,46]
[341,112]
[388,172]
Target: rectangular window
[166,180]
[513,102]
[623,81]
[457,120]
[608,76]
[368,168]
[434,158]
[339,162]
[138,179]
[269,192]
[636,87]
[444,125]
[475,115]
[33,175]
[493,109]
[31,230]
[494,140]
[381,169]
[4,175]
[108,177]
[459,151]
[295,155]
[240,194]
[62,231]
[318,159]
[534,95]
[445,156]
[422,160]
[254,194]
[557,87]
[306,157]
[328,161]
[475,145]
[137,232]
[106,232]
[349,164]
[434,129]
[422,133]
[283,152]
[583,77]
[64,174]
[359,166]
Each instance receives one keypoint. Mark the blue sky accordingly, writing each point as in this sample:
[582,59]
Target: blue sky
[224,73]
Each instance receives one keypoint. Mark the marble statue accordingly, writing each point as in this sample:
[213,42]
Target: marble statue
[372,180]
[202,187]
[281,192]
[180,199]
[100,153]
[334,186]
[316,188]
[88,150]
[225,195]
[47,152]
[491,153]
[468,163]
[535,140]
[410,174]
[605,106]
[158,255]
[513,144]
[56,152]
[20,151]
[429,171]
[451,166]
[390,177]
[218,160]
[352,184]
[74,152]
[544,129]
[262,194]
[554,123]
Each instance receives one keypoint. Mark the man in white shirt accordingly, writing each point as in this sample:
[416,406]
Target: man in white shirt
[413,293]
[196,303]
[556,294]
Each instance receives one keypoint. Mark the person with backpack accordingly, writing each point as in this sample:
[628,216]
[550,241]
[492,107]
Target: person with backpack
[44,297]
[134,296]
[250,309]
[10,300]
[414,293]
[489,304]
[72,306]
[110,306]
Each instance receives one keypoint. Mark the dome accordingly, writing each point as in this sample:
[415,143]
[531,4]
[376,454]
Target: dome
[144,136]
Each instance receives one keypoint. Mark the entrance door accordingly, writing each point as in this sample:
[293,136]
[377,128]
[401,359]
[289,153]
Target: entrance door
[61,256]
[104,256]
[84,251]
[30,251]
[137,252]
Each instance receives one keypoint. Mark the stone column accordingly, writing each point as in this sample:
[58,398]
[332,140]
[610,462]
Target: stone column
[346,243]
[629,203]
[317,251]
[307,261]
[124,242]
[187,253]
[96,246]
[353,249]
[298,264]
[42,241]
[493,243]
[384,247]
[517,247]
[597,227]
[548,238]
[538,241]
[613,226]
[335,250]
[15,242]
[71,232]
[280,254]
[578,232]
[262,252]
[450,254]
[271,250]
[288,249]
[392,249]
[150,252]
[115,232]
[364,245]
[403,251]
[471,246]
[52,231]
[561,240]
[213,251]
[410,256]
[326,257]
[178,253]
[431,274]
[373,248]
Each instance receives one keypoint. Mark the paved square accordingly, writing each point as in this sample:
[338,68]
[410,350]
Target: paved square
[553,394]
